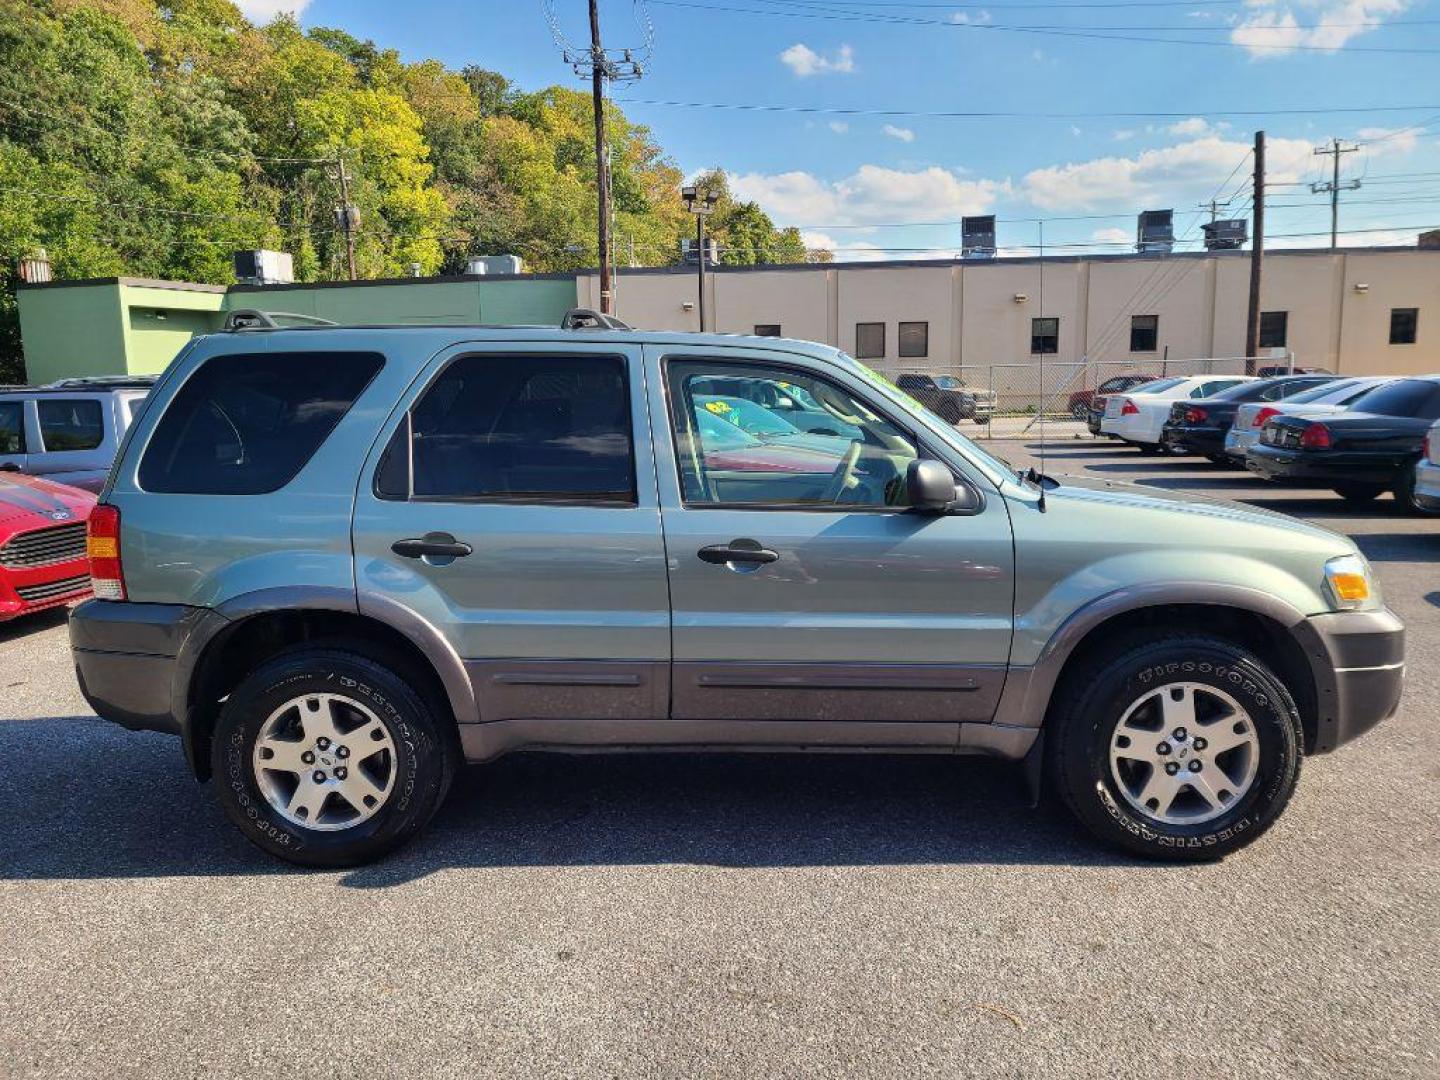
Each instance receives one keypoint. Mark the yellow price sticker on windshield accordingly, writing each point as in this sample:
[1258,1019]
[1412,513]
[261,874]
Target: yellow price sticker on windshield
[717,407]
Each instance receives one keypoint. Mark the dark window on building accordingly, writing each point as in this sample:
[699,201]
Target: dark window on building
[518,429]
[914,339]
[767,330]
[1274,329]
[246,424]
[1404,322]
[1144,333]
[70,423]
[870,340]
[12,427]
[1044,336]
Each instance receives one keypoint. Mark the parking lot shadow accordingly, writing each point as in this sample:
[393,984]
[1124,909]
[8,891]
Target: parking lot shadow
[31,624]
[82,799]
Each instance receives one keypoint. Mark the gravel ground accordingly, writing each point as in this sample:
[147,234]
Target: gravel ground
[726,915]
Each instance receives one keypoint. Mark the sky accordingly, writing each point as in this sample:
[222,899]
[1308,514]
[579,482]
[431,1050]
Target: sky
[843,148]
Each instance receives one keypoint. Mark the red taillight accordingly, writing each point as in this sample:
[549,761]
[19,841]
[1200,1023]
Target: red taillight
[1315,437]
[1263,415]
[1127,408]
[102,545]
[1196,416]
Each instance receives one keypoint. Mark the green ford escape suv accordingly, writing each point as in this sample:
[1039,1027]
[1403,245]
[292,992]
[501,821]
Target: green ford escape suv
[338,562]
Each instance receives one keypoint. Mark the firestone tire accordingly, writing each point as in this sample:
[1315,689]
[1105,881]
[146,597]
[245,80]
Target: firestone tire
[1083,730]
[416,749]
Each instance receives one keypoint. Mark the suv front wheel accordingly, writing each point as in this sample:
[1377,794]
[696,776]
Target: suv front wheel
[1183,748]
[327,758]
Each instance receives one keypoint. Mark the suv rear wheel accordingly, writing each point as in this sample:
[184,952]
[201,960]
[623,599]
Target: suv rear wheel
[1186,748]
[327,758]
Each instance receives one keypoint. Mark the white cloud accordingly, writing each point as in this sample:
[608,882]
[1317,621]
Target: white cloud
[805,61]
[964,18]
[1123,135]
[262,11]
[1112,236]
[1272,30]
[847,250]
[1074,130]
[903,134]
[1193,126]
[1382,141]
[1167,176]
[872,195]
[840,127]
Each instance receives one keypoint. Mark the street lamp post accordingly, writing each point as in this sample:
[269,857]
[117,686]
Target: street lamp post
[702,205]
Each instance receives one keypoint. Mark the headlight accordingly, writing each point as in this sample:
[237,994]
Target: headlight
[1348,583]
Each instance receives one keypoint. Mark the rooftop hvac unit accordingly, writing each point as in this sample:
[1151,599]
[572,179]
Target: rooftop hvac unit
[1155,231]
[977,237]
[688,253]
[494,264]
[264,268]
[1226,235]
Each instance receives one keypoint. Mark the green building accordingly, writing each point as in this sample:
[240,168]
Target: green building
[132,326]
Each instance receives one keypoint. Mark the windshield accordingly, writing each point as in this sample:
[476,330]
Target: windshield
[1239,392]
[948,382]
[1158,385]
[718,434]
[1324,391]
[747,415]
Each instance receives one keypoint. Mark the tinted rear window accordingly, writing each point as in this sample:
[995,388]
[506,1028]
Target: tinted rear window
[247,424]
[70,423]
[1407,397]
[520,429]
[12,427]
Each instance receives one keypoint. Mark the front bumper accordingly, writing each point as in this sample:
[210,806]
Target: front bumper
[1364,652]
[25,590]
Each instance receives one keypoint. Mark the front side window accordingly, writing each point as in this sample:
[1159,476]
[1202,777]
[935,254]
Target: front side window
[725,462]
[914,339]
[1144,333]
[1274,329]
[1404,322]
[12,427]
[870,341]
[70,423]
[1044,336]
[246,424]
[517,429]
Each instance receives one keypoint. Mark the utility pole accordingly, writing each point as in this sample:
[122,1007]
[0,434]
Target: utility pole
[599,67]
[1257,258]
[702,205]
[1214,206]
[1334,187]
[346,216]
[602,166]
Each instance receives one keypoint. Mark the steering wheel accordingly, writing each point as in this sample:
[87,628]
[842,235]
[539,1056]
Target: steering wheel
[844,472]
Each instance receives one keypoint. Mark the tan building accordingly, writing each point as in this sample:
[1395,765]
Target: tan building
[1356,311]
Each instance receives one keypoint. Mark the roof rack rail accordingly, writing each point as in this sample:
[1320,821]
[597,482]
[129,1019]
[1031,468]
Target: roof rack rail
[583,318]
[103,382]
[253,319]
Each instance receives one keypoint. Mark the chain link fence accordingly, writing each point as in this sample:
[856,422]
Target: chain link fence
[1012,398]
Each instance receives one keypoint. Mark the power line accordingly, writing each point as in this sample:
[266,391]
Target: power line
[1051,32]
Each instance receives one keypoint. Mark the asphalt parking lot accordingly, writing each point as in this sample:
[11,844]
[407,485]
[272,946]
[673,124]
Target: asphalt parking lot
[728,915]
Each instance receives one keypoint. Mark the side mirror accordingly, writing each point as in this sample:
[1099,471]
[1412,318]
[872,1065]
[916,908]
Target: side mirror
[930,486]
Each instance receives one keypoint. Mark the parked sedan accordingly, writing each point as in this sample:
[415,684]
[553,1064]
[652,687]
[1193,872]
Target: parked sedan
[1427,472]
[1082,401]
[42,544]
[1138,418]
[1327,398]
[1358,454]
[1200,426]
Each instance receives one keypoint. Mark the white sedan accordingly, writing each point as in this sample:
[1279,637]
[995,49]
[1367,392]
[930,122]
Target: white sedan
[1137,418]
[1330,397]
[1427,472]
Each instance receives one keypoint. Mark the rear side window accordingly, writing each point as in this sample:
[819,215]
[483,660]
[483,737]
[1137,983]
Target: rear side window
[12,427]
[70,423]
[517,429]
[246,424]
[1407,397]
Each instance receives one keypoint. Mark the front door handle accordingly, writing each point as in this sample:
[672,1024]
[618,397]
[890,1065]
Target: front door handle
[436,544]
[737,551]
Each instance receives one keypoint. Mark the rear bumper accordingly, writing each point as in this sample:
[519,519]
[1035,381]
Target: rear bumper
[1193,440]
[1319,469]
[1366,654]
[1427,485]
[131,660]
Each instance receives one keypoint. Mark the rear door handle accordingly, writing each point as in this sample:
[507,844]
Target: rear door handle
[741,551]
[437,545]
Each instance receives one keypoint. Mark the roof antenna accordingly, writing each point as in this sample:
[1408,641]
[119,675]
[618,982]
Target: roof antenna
[1040,481]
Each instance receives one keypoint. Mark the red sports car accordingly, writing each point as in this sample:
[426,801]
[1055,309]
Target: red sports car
[42,544]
